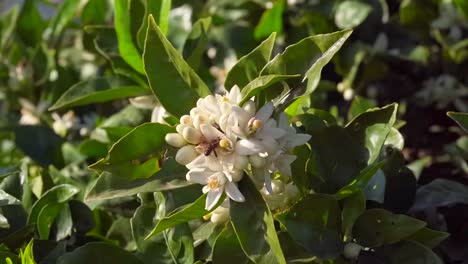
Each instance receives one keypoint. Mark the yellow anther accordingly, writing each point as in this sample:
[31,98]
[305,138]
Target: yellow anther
[225,99]
[257,123]
[213,183]
[224,143]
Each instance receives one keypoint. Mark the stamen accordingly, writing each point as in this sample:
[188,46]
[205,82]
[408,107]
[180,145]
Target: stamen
[212,184]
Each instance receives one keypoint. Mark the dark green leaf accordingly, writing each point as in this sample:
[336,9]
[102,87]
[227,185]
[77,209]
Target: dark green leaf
[314,223]
[195,44]
[7,171]
[440,192]
[460,118]
[359,106]
[248,67]
[227,248]
[260,83]
[96,12]
[172,80]
[377,227]
[46,217]
[353,206]
[30,24]
[127,48]
[463,6]
[408,252]
[428,237]
[350,14]
[271,21]
[99,253]
[98,90]
[58,23]
[254,226]
[7,26]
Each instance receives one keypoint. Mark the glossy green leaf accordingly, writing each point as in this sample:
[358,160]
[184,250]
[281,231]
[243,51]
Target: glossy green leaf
[136,155]
[353,206]
[7,26]
[260,83]
[97,91]
[96,12]
[30,24]
[160,10]
[440,192]
[377,227]
[360,105]
[196,210]
[350,14]
[171,176]
[99,253]
[271,20]
[248,67]
[195,44]
[254,226]
[58,194]
[428,237]
[460,118]
[314,223]
[172,80]
[372,128]
[127,48]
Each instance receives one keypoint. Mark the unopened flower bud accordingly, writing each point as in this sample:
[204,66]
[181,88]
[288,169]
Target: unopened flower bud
[192,135]
[219,217]
[352,250]
[186,120]
[180,128]
[257,161]
[237,175]
[199,120]
[241,162]
[186,154]
[175,140]
[277,186]
[249,106]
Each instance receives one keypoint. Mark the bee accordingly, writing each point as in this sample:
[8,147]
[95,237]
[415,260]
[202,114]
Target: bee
[209,146]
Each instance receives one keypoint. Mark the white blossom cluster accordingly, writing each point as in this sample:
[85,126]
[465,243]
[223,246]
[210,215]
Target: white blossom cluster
[220,140]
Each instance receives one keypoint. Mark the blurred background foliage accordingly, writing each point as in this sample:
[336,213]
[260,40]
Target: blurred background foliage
[53,54]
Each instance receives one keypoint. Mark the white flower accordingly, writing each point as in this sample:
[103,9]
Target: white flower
[215,183]
[281,196]
[62,124]
[220,215]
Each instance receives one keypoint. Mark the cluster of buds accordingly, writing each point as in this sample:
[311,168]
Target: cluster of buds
[221,140]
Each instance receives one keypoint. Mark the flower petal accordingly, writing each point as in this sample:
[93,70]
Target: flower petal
[265,112]
[210,132]
[198,175]
[233,192]
[248,146]
[212,198]
[234,95]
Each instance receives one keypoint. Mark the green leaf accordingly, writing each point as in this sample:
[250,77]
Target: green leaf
[137,154]
[460,118]
[428,237]
[377,227]
[40,143]
[7,26]
[7,199]
[227,248]
[99,253]
[350,14]
[372,127]
[176,85]
[98,90]
[407,252]
[96,12]
[308,57]
[58,194]
[30,24]
[46,217]
[462,6]
[271,20]
[440,192]
[108,186]
[260,83]
[314,223]
[27,256]
[254,226]
[353,206]
[127,48]
[160,10]
[359,106]
[195,44]
[58,23]
[7,171]
[248,67]
[360,182]
[196,210]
